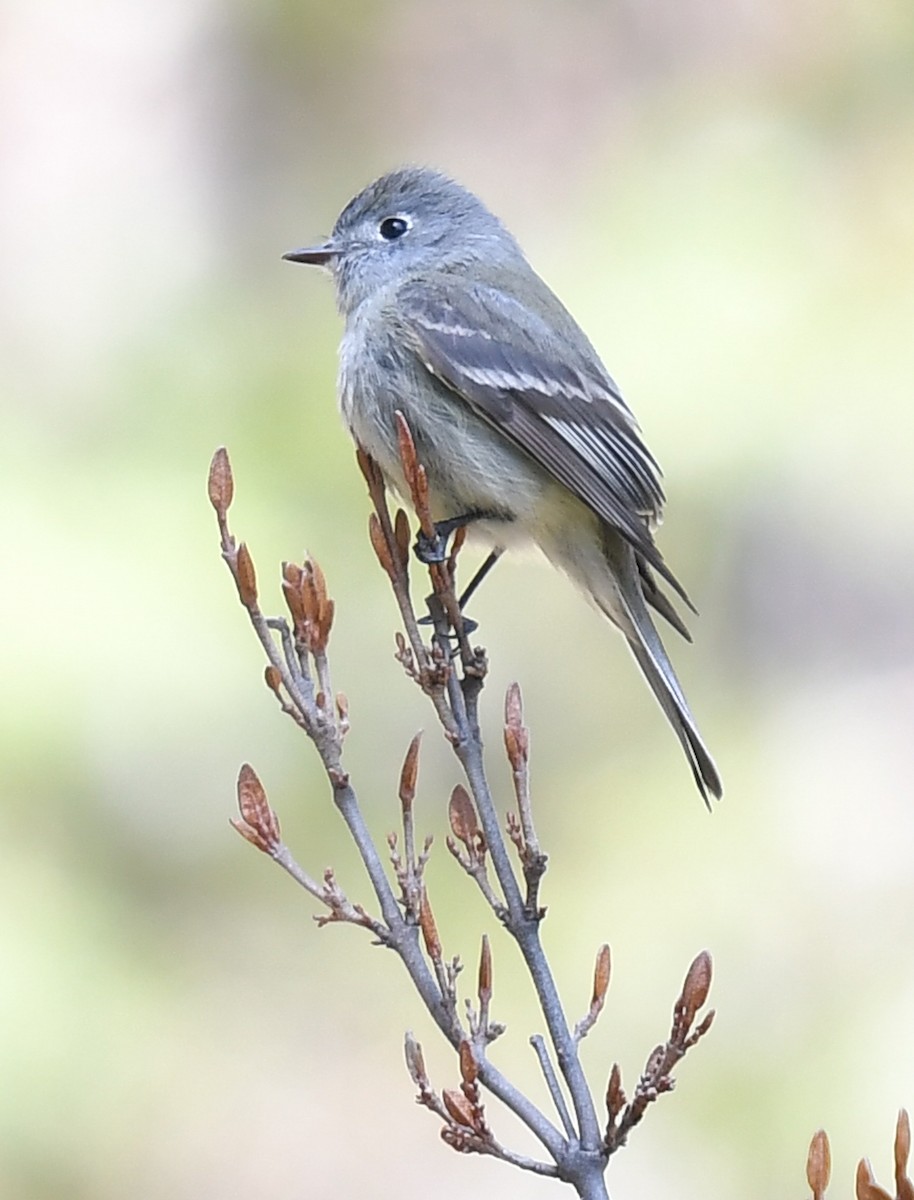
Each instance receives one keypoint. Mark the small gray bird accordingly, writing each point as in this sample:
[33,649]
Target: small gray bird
[523,432]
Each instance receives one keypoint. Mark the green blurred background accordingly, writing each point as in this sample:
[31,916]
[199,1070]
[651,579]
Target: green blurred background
[724,196]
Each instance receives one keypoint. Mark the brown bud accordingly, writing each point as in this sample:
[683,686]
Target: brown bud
[703,1026]
[420,497]
[291,590]
[379,544]
[460,537]
[401,533]
[220,485]
[342,708]
[514,710]
[246,577]
[367,465]
[469,1067]
[615,1096]
[429,929]
[866,1186]
[292,573]
[415,1061]
[903,1185]
[407,449]
[317,605]
[485,972]
[601,973]
[818,1164]
[697,985]
[310,601]
[409,774]
[462,816]
[517,736]
[249,834]
[272,678]
[654,1061]
[460,1109]
[318,579]
[260,823]
[325,624]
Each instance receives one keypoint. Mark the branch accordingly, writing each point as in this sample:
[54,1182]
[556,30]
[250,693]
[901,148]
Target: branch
[290,677]
[452,674]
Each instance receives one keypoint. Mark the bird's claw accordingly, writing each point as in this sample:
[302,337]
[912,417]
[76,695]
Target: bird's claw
[469,625]
[431,550]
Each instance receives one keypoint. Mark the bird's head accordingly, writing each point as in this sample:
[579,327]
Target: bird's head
[408,222]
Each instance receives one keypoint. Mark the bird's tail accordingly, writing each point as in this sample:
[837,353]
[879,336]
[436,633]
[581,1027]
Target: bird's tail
[627,608]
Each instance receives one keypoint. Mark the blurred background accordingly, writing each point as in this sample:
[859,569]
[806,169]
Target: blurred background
[724,196]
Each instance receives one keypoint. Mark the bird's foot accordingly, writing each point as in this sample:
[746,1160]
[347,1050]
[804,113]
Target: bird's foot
[469,625]
[430,550]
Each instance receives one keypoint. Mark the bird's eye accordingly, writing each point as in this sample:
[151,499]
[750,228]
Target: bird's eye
[392,228]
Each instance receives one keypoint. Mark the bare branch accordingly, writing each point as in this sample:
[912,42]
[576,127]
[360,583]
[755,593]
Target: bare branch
[552,1083]
[657,1078]
[520,829]
[298,674]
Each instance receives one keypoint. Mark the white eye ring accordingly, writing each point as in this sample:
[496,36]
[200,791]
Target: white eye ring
[394,227]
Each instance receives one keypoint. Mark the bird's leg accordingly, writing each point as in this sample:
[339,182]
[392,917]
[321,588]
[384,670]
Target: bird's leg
[494,556]
[434,549]
[469,624]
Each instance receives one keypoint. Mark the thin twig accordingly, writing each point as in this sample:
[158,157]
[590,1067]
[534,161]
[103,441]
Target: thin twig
[552,1082]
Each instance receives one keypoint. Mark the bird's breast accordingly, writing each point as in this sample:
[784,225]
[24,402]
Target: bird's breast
[471,465]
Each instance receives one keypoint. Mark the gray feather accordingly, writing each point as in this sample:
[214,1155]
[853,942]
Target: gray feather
[562,408]
[644,641]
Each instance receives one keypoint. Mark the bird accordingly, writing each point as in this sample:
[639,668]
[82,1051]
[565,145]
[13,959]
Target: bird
[524,434]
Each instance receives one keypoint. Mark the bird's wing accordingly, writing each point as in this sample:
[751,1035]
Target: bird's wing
[556,402]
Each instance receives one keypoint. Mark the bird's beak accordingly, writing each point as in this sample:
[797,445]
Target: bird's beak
[316,256]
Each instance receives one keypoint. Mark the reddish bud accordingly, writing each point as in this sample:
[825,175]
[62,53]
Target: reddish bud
[259,823]
[402,536]
[601,974]
[866,1186]
[429,929]
[407,448]
[414,473]
[318,606]
[367,466]
[903,1185]
[328,608]
[220,485]
[459,1108]
[409,774]
[697,985]
[517,736]
[485,972]
[318,580]
[291,590]
[246,577]
[469,1067]
[514,710]
[420,495]
[462,816]
[704,1025]
[615,1096]
[818,1164]
[460,537]
[379,544]
[272,678]
[415,1062]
